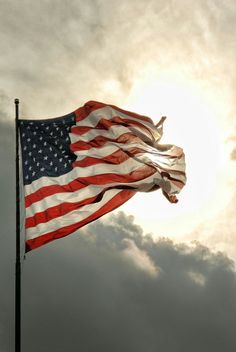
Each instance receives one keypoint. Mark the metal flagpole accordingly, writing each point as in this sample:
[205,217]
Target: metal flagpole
[18,259]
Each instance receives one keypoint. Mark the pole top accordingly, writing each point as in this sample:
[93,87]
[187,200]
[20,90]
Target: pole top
[17,101]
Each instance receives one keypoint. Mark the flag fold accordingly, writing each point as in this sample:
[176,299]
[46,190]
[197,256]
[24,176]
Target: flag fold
[81,166]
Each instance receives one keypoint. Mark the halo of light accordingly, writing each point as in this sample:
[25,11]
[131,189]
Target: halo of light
[192,124]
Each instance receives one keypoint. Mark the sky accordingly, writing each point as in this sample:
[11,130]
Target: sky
[151,275]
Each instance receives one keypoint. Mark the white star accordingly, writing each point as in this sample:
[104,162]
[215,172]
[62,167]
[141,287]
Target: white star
[40,151]
[65,165]
[28,139]
[45,157]
[42,169]
[60,160]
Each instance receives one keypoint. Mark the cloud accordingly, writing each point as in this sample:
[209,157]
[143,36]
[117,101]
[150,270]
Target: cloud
[101,290]
[140,258]
[64,55]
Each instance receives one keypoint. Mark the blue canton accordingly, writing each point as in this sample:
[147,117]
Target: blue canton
[45,147]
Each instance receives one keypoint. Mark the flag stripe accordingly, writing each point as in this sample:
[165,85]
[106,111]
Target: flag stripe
[118,157]
[86,110]
[60,210]
[73,175]
[112,204]
[111,131]
[82,182]
[128,166]
[75,216]
[100,119]
[99,141]
[130,179]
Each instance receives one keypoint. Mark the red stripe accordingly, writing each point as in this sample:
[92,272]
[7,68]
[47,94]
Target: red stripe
[115,158]
[136,175]
[99,141]
[105,124]
[64,208]
[112,204]
[81,182]
[60,210]
[91,106]
[47,191]
[176,181]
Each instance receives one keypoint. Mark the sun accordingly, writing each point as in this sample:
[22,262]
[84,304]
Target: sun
[192,124]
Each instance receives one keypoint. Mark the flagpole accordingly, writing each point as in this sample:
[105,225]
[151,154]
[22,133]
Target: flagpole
[18,259]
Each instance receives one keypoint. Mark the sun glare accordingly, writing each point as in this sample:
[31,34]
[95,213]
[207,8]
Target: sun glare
[192,124]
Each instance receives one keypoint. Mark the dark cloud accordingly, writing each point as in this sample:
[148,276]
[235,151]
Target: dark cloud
[110,288]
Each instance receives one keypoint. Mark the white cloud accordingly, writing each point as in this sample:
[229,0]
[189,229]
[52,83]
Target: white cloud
[140,258]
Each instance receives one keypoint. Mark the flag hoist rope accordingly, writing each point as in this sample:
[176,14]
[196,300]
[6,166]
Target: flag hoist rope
[18,258]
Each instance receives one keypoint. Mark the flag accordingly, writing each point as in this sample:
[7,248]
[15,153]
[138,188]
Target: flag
[83,165]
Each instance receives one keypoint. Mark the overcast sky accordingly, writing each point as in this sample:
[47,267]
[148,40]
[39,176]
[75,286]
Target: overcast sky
[136,280]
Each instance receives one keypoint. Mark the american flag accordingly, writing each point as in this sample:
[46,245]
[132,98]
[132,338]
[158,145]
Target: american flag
[81,166]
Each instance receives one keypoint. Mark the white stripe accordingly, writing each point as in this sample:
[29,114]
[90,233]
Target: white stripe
[108,113]
[113,132]
[92,190]
[153,134]
[70,218]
